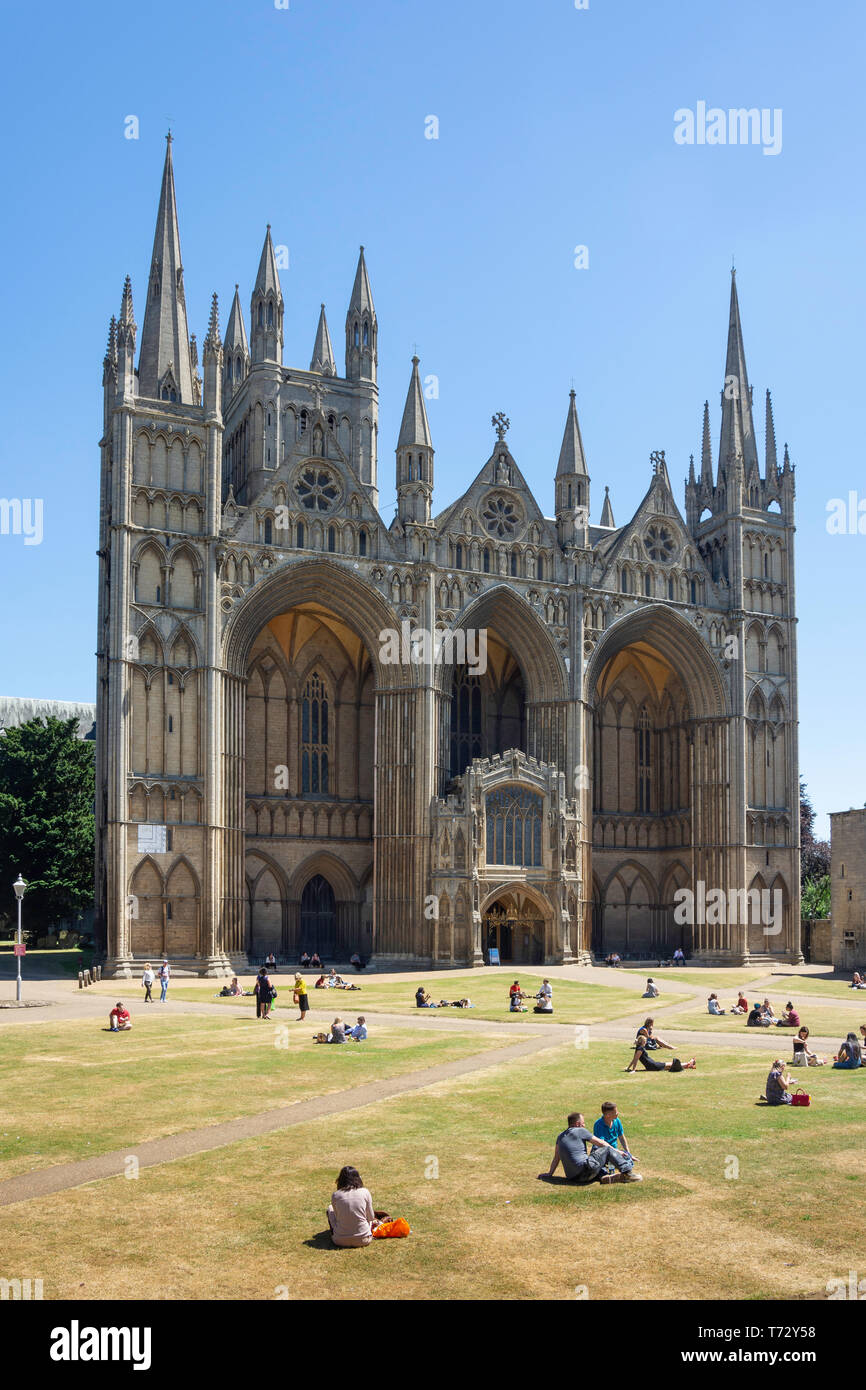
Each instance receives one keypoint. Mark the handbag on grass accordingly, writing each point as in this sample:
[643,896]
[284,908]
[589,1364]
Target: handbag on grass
[400,1227]
[800,1097]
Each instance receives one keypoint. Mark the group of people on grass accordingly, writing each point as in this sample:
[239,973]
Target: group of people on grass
[646,1043]
[543,999]
[333,981]
[341,1032]
[601,1155]
[423,1000]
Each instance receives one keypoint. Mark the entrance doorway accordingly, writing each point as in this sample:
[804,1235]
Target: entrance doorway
[514,927]
[318,917]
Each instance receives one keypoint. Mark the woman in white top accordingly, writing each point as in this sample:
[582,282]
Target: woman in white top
[147,980]
[713,1005]
[350,1215]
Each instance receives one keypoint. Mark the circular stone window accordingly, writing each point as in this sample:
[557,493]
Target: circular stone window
[659,543]
[501,516]
[317,489]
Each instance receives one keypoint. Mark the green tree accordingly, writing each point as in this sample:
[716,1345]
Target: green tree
[815,898]
[47,786]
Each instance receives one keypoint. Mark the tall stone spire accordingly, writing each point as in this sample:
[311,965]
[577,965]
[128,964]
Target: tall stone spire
[323,351]
[213,362]
[164,368]
[771,462]
[126,334]
[572,460]
[607,511]
[236,349]
[572,483]
[707,451]
[737,395]
[266,308]
[362,329]
[414,456]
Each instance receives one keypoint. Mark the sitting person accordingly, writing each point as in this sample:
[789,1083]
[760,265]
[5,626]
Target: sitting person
[757,1018]
[790,1018]
[582,1167]
[742,1004]
[119,1020]
[850,1054]
[544,1000]
[614,959]
[359,1032]
[713,1005]
[767,1011]
[234,987]
[338,1031]
[356,960]
[515,989]
[271,960]
[609,1128]
[778,1083]
[305,959]
[652,989]
[350,1215]
[516,1004]
[858,982]
[423,1000]
[641,1054]
[320,983]
[315,963]
[679,958]
[802,1056]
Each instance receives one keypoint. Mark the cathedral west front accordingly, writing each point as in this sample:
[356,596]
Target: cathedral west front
[478,727]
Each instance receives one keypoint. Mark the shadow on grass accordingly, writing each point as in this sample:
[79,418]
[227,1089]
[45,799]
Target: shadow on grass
[322,1241]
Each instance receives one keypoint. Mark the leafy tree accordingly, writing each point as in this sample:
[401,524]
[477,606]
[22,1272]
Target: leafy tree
[47,787]
[815,898]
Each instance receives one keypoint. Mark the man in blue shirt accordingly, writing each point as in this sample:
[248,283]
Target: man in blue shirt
[581,1166]
[609,1128]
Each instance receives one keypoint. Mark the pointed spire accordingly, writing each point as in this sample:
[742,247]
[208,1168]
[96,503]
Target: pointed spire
[267,277]
[786,462]
[127,317]
[212,336]
[165,335]
[111,350]
[236,333]
[692,479]
[193,353]
[571,456]
[362,296]
[707,451]
[415,428]
[607,511]
[771,463]
[323,351]
[736,394]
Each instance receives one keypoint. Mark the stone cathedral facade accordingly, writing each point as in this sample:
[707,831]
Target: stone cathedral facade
[269,777]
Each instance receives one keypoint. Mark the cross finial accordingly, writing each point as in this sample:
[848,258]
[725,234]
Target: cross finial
[501,424]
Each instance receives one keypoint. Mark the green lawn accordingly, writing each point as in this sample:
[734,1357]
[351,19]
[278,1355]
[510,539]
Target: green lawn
[733,1203]
[71,1090]
[814,984]
[711,978]
[573,1001]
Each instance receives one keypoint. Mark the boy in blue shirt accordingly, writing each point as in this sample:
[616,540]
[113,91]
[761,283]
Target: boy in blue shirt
[609,1128]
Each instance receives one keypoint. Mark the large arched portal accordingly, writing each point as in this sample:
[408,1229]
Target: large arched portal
[514,925]
[309,780]
[657,738]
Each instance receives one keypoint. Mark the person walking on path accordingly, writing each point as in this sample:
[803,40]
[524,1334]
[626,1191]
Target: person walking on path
[164,977]
[263,990]
[147,983]
[301,997]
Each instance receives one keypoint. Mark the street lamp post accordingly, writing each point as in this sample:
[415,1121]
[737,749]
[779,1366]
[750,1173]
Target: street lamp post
[20,887]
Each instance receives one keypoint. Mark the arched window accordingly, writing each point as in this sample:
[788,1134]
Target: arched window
[465,721]
[485,561]
[356,335]
[694,591]
[229,369]
[539,568]
[300,535]
[366,333]
[514,827]
[314,737]
[238,370]
[332,539]
[270,315]
[514,562]
[647,585]
[670,588]
[458,556]
[644,760]
[269,531]
[362,542]
[623,583]
[261,315]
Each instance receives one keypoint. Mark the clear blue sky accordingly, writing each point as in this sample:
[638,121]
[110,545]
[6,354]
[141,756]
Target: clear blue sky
[556,129]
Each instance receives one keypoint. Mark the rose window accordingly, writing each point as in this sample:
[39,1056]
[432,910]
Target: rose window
[658,543]
[500,516]
[317,489]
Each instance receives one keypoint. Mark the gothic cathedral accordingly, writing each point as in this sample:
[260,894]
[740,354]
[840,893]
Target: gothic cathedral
[271,778]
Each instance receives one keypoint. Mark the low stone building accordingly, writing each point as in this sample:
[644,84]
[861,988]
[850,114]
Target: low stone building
[848,889]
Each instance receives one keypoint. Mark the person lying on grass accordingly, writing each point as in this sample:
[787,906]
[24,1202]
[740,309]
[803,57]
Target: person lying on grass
[778,1085]
[119,1020]
[582,1166]
[351,1216]
[802,1056]
[849,1055]
[609,1128]
[641,1054]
